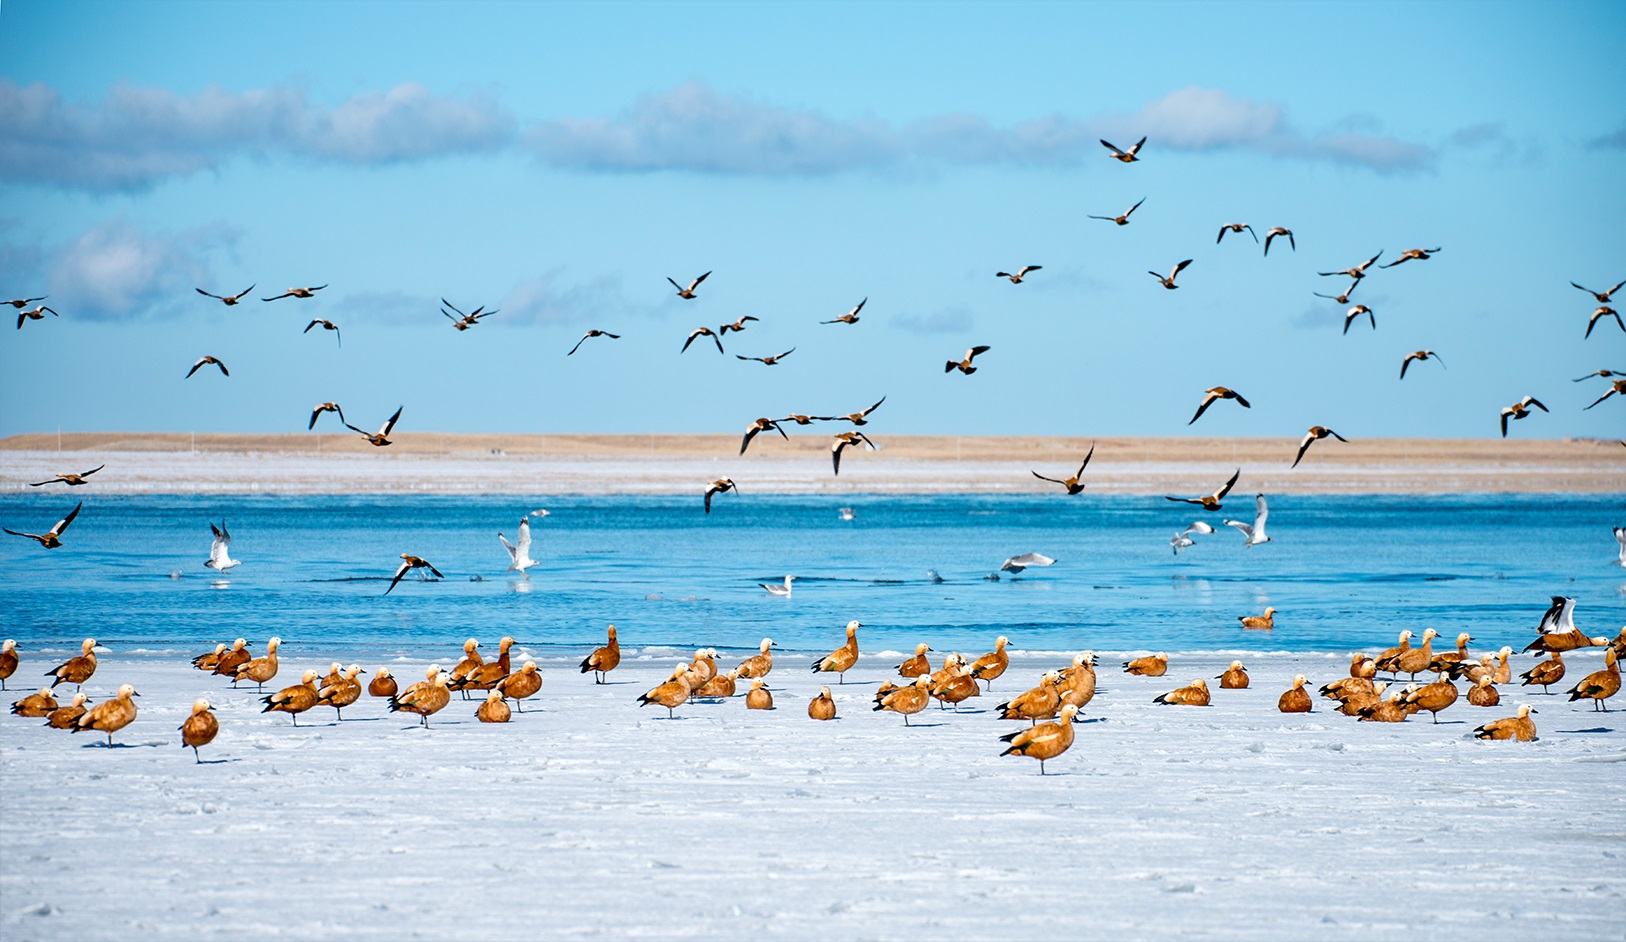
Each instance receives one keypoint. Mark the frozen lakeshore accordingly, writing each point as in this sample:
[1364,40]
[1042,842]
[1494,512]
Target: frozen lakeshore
[590,816]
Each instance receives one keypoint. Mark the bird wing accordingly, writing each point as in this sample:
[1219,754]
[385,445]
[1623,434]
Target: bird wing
[1368,262]
[674,284]
[388,426]
[62,524]
[1337,436]
[1184,500]
[709,491]
[1134,207]
[87,474]
[1109,146]
[1136,149]
[309,326]
[1247,531]
[692,334]
[513,554]
[1208,400]
[1252,233]
[1043,478]
[1535,402]
[974,351]
[1239,400]
[696,283]
[208,295]
[1220,495]
[578,345]
[1601,398]
[1028,268]
[1179,268]
[1030,559]
[217,548]
[1199,526]
[877,405]
[1261,512]
[785,354]
[718,341]
[239,295]
[279,297]
[750,433]
[1221,236]
[835,454]
[524,541]
[1407,362]
[1304,446]
[405,566]
[1505,412]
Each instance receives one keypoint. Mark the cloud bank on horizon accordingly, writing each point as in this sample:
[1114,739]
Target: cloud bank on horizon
[137,137]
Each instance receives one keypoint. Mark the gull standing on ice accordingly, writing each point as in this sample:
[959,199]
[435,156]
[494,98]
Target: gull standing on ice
[219,551]
[1181,540]
[783,591]
[1254,534]
[519,552]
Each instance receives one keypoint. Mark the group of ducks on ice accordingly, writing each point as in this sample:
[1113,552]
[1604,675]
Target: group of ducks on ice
[1058,697]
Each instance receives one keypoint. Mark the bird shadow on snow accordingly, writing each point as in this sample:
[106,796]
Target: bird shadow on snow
[1592,729]
[123,745]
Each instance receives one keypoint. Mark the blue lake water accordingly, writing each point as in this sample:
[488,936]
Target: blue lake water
[1344,572]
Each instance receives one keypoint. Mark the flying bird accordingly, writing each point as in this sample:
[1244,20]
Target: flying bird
[761,425]
[769,360]
[719,486]
[738,326]
[463,321]
[1214,395]
[519,552]
[1169,281]
[1340,298]
[1182,539]
[219,551]
[687,294]
[1606,374]
[804,419]
[1211,501]
[1236,228]
[1618,386]
[322,407]
[50,539]
[1604,311]
[964,365]
[1354,314]
[1072,484]
[1019,563]
[1126,156]
[204,361]
[382,437]
[1603,297]
[1519,410]
[410,562]
[1122,220]
[1315,434]
[702,332]
[325,325]
[1279,231]
[1255,533]
[851,317]
[1421,255]
[1016,279]
[72,480]
[292,293]
[859,418]
[231,299]
[595,332]
[20,303]
[842,441]
[1358,272]
[1419,355]
[36,314]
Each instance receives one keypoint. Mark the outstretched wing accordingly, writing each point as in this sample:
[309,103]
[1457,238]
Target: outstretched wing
[1086,462]
[62,524]
[1304,446]
[405,566]
[1228,485]
[1261,512]
[513,554]
[390,425]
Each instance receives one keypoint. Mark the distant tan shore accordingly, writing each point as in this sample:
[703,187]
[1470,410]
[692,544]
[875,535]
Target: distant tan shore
[429,463]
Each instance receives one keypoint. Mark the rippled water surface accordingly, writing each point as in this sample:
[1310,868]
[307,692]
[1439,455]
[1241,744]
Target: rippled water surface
[1344,572]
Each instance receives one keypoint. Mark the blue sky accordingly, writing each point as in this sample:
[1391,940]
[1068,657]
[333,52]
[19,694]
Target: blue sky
[559,162]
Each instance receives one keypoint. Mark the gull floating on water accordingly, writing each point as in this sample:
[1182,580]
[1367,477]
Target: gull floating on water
[783,591]
[1255,534]
[845,513]
[1019,563]
[1182,539]
[519,552]
[219,551]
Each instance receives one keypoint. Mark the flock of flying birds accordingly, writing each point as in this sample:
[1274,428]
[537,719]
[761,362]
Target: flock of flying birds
[1059,696]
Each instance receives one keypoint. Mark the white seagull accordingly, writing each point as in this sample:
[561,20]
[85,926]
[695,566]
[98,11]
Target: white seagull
[1255,533]
[1560,618]
[519,552]
[1182,539]
[783,591]
[1620,537]
[219,551]
[1019,563]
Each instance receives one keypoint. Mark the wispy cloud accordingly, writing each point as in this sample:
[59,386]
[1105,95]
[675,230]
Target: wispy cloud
[946,320]
[115,270]
[1614,140]
[693,128]
[136,137]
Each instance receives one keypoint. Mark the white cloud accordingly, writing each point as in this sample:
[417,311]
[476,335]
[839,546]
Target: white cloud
[115,270]
[946,320]
[136,137]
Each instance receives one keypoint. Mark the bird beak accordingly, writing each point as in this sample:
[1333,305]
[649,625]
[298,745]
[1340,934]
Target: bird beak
[137,693]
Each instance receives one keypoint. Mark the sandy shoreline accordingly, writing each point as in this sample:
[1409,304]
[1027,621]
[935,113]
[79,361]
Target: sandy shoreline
[589,815]
[428,463]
